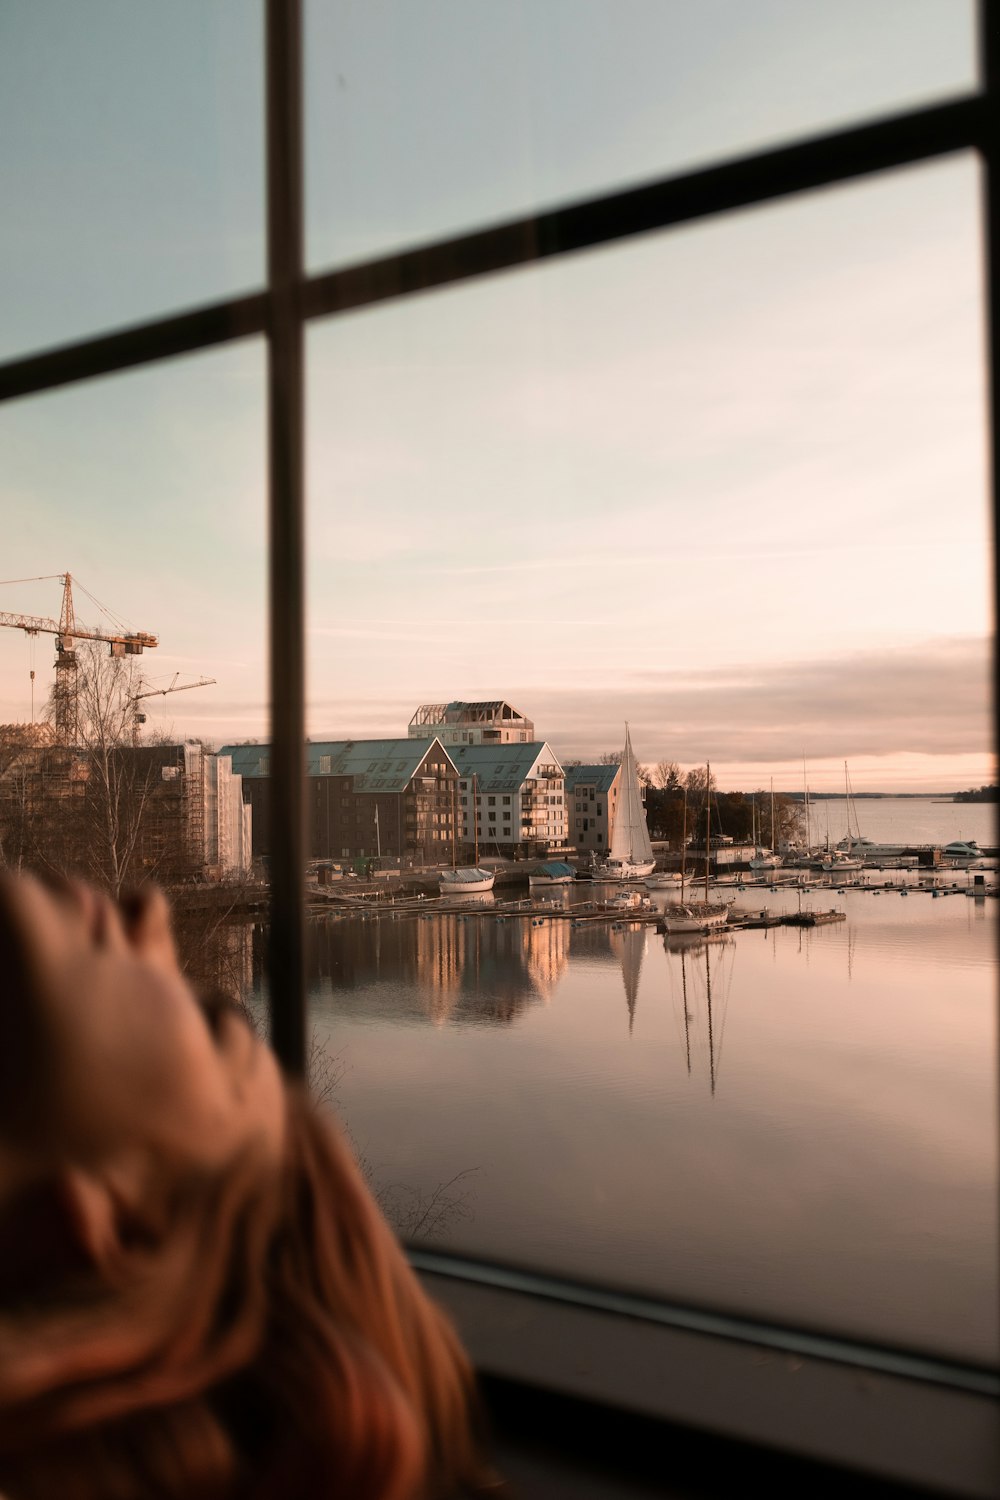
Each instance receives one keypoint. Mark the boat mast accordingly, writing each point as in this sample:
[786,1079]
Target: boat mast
[475,815]
[628,767]
[805,790]
[684,842]
[774,844]
[708,823]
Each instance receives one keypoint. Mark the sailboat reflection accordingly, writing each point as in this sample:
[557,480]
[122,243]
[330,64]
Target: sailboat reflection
[627,942]
[689,950]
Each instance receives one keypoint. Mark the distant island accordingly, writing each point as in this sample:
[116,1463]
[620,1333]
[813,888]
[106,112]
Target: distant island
[979,794]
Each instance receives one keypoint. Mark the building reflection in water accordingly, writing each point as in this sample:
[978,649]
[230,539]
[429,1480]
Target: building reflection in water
[456,966]
[464,967]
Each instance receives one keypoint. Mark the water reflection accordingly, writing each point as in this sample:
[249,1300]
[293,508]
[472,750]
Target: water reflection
[823,1147]
[447,966]
[696,994]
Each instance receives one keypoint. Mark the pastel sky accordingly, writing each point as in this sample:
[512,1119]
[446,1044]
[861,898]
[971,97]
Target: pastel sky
[728,483]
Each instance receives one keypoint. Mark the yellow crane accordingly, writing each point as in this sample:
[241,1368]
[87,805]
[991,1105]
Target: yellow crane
[139,718]
[67,633]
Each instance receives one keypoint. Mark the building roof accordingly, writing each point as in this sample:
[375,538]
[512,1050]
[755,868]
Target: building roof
[374,765]
[600,777]
[501,768]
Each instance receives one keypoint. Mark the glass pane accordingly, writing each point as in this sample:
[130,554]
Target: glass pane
[132,171]
[426,121]
[149,489]
[726,486]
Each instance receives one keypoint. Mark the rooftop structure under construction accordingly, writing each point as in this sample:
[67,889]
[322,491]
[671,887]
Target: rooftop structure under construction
[491,723]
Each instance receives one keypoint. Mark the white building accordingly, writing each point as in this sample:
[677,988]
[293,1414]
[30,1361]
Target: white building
[220,821]
[514,793]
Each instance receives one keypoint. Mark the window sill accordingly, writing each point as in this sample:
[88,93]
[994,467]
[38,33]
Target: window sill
[891,1428]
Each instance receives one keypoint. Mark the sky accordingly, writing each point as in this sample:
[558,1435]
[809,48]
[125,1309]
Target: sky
[726,483]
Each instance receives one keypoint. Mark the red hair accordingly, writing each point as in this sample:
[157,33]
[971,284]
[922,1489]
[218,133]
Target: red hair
[274,1344]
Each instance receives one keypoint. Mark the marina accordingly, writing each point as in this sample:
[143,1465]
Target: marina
[838,1133]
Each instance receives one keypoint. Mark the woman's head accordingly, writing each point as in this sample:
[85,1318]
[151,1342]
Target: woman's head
[121,1052]
[197,1294]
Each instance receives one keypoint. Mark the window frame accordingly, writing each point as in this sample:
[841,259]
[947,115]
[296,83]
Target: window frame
[791,1389]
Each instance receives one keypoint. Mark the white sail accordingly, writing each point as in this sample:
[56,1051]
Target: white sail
[629,834]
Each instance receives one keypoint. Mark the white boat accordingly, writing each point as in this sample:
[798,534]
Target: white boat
[764,859]
[467,880]
[837,863]
[554,872]
[633,901]
[960,850]
[630,854]
[695,916]
[663,880]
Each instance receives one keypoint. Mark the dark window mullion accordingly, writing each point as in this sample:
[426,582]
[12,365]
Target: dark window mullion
[806,165]
[989,43]
[904,140]
[285,393]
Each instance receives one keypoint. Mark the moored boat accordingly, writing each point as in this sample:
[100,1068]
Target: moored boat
[695,916]
[552,872]
[468,880]
[962,851]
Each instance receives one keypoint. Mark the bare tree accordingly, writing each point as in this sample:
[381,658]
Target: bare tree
[114,784]
[609,758]
[696,779]
[667,776]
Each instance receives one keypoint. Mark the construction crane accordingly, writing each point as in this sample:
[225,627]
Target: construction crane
[139,718]
[67,632]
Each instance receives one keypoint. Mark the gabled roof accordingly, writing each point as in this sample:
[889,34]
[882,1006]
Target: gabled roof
[501,768]
[374,765]
[601,777]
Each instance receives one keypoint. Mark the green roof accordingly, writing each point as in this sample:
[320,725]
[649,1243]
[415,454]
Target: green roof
[600,777]
[373,765]
[500,768]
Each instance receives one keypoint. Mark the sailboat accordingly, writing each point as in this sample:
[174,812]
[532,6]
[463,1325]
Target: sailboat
[630,856]
[765,859]
[697,916]
[466,880]
[849,853]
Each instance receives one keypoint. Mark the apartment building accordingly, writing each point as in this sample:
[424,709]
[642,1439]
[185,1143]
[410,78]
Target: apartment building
[511,795]
[364,798]
[591,798]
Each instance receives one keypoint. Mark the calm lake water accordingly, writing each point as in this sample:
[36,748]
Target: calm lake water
[795,1124]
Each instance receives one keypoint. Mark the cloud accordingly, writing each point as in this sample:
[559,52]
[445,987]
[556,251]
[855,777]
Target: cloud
[929,699]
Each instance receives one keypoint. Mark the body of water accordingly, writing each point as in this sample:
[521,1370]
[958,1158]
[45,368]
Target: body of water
[797,1124]
[895,820]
